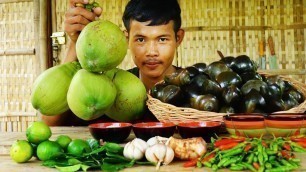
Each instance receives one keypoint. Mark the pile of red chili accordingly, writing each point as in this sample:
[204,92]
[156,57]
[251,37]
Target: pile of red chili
[254,154]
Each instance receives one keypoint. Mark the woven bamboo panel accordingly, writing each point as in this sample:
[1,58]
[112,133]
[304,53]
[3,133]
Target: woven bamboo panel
[18,68]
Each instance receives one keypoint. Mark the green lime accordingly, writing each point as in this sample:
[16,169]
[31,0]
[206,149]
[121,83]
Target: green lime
[49,150]
[78,147]
[38,132]
[21,151]
[63,140]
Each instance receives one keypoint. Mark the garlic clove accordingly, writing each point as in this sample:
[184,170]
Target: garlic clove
[137,154]
[169,156]
[126,150]
[152,141]
[159,151]
[140,144]
[150,155]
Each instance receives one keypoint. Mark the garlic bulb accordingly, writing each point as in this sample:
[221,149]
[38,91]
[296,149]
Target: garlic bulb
[135,149]
[160,153]
[157,139]
[191,148]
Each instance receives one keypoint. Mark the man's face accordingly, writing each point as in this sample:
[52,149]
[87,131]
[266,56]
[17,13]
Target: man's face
[152,47]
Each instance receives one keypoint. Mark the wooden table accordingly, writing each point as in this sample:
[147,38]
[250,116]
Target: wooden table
[7,138]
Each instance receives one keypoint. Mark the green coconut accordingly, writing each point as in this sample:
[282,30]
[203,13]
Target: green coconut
[101,46]
[49,93]
[90,94]
[131,97]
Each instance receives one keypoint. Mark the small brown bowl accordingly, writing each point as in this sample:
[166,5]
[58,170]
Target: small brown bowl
[285,124]
[146,130]
[244,124]
[115,132]
[204,129]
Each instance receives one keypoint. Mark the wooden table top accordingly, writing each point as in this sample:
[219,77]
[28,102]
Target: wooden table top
[7,138]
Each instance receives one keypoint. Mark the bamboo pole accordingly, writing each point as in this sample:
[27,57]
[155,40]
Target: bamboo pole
[53,14]
[13,1]
[36,30]
[43,35]
[284,71]
[17,52]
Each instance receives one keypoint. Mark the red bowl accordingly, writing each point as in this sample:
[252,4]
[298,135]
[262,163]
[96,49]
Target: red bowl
[115,132]
[245,124]
[204,129]
[146,130]
[285,124]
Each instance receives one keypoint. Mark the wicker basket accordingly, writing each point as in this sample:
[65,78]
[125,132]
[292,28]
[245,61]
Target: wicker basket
[165,112]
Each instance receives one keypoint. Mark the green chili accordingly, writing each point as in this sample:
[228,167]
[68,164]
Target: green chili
[271,152]
[250,158]
[275,163]
[260,159]
[286,163]
[214,167]
[233,152]
[295,160]
[261,169]
[199,164]
[231,161]
[271,158]
[281,169]
[255,159]
[265,155]
[236,168]
[268,165]
[207,164]
[249,166]
[298,149]
[113,147]
[220,164]
[275,147]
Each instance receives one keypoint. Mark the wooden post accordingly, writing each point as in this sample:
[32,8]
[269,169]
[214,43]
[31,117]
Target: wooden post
[43,35]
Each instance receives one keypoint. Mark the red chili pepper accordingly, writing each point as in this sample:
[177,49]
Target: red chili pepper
[228,140]
[191,163]
[298,139]
[256,165]
[297,132]
[286,154]
[237,133]
[264,144]
[208,157]
[303,144]
[247,147]
[228,146]
[287,146]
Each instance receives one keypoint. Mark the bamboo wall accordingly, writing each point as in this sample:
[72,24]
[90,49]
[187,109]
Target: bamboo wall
[232,26]
[18,64]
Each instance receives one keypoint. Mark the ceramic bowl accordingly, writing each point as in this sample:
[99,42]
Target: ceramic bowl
[248,125]
[285,124]
[204,129]
[115,132]
[146,130]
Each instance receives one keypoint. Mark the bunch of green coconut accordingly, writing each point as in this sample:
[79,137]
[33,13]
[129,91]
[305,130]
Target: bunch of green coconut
[93,86]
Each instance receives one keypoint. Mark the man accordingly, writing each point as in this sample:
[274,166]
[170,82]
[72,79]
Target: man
[153,31]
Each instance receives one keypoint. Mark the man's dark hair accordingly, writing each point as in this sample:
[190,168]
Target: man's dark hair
[158,12]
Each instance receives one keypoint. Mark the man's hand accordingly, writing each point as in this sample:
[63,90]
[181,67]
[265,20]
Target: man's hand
[76,18]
